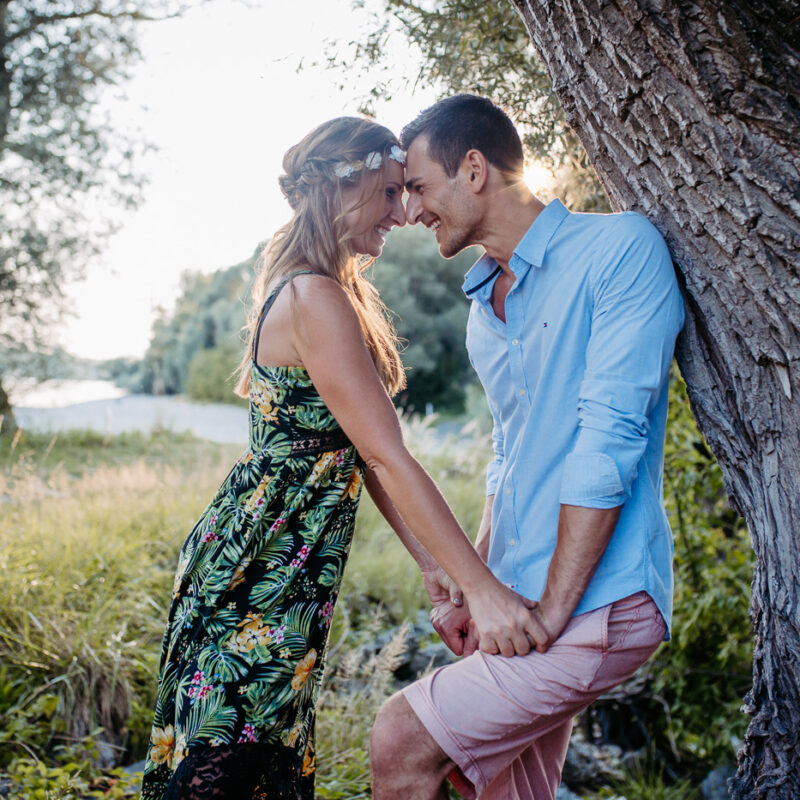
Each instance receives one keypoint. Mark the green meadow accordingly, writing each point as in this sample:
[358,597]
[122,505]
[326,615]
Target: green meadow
[90,529]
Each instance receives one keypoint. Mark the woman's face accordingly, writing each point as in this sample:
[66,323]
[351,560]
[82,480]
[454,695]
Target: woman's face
[369,223]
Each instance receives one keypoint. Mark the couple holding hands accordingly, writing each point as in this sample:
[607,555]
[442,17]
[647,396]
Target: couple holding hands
[568,588]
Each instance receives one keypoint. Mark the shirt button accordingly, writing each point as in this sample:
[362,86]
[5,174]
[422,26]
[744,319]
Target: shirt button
[512,542]
[515,342]
[508,491]
[522,392]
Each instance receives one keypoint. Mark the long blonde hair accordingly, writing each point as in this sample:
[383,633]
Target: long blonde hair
[315,174]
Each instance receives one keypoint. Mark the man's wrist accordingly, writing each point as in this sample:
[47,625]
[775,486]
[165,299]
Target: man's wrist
[555,614]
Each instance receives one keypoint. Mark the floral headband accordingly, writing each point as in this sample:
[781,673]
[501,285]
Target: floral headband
[344,169]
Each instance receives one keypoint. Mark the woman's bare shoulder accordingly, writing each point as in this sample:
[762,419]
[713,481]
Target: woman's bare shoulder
[318,296]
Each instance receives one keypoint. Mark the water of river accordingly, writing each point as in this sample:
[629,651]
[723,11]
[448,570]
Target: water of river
[101,406]
[30,393]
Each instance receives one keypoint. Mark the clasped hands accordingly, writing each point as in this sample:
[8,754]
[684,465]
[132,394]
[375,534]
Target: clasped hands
[499,620]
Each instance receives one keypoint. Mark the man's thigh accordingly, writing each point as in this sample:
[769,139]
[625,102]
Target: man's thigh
[486,710]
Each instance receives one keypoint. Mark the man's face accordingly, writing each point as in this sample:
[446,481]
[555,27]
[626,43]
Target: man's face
[443,204]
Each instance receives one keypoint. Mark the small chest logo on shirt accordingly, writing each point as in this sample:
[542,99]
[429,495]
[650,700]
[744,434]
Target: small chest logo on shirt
[544,325]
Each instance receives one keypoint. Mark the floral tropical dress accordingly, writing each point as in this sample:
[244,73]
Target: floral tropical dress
[254,592]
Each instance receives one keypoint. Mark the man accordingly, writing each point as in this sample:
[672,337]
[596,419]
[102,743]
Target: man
[571,331]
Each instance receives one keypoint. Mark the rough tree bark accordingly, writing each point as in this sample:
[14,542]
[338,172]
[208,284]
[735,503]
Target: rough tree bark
[690,112]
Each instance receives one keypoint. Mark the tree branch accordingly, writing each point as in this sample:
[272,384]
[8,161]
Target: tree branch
[39,20]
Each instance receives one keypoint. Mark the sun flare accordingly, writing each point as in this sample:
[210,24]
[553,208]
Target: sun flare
[538,177]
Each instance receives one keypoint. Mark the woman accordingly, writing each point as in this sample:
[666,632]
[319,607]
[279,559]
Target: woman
[259,574]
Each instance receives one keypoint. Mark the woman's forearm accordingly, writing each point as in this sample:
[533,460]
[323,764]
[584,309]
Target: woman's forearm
[423,510]
[387,508]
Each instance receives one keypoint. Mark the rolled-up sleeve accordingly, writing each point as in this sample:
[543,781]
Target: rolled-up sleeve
[637,313]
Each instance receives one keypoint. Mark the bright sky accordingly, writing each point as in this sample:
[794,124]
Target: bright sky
[219,94]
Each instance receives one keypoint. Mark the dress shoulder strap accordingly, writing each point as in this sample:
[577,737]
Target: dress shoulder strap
[270,300]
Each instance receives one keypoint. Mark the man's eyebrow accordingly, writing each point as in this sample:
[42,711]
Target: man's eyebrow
[410,183]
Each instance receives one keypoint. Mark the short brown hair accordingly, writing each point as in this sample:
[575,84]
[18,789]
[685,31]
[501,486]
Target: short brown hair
[464,122]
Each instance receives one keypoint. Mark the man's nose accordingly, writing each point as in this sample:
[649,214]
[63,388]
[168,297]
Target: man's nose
[413,209]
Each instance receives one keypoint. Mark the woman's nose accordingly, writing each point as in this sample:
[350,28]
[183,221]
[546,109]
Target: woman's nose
[398,213]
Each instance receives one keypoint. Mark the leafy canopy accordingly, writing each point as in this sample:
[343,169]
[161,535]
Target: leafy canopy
[63,163]
[476,47]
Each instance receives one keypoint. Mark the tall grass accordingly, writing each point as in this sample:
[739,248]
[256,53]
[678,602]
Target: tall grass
[90,529]
[89,536]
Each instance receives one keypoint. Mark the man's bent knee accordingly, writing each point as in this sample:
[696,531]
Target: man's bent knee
[397,736]
[405,758]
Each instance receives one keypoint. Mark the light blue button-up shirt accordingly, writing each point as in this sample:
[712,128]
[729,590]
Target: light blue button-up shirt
[576,380]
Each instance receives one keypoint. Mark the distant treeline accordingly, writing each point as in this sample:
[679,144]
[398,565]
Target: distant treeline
[195,348]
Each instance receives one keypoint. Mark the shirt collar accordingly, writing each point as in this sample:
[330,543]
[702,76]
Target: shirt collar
[529,252]
[533,245]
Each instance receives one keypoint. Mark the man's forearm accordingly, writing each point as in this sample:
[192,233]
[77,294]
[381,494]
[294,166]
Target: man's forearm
[583,535]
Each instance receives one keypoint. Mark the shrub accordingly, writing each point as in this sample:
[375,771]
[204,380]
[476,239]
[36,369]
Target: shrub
[210,374]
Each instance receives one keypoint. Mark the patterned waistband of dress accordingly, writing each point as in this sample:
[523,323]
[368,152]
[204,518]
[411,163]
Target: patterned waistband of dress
[319,441]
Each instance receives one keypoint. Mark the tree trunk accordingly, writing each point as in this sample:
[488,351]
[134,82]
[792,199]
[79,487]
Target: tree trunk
[690,112]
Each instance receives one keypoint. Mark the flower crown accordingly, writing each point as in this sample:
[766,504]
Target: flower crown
[344,169]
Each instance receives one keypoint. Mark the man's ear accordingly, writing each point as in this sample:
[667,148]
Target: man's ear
[475,168]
